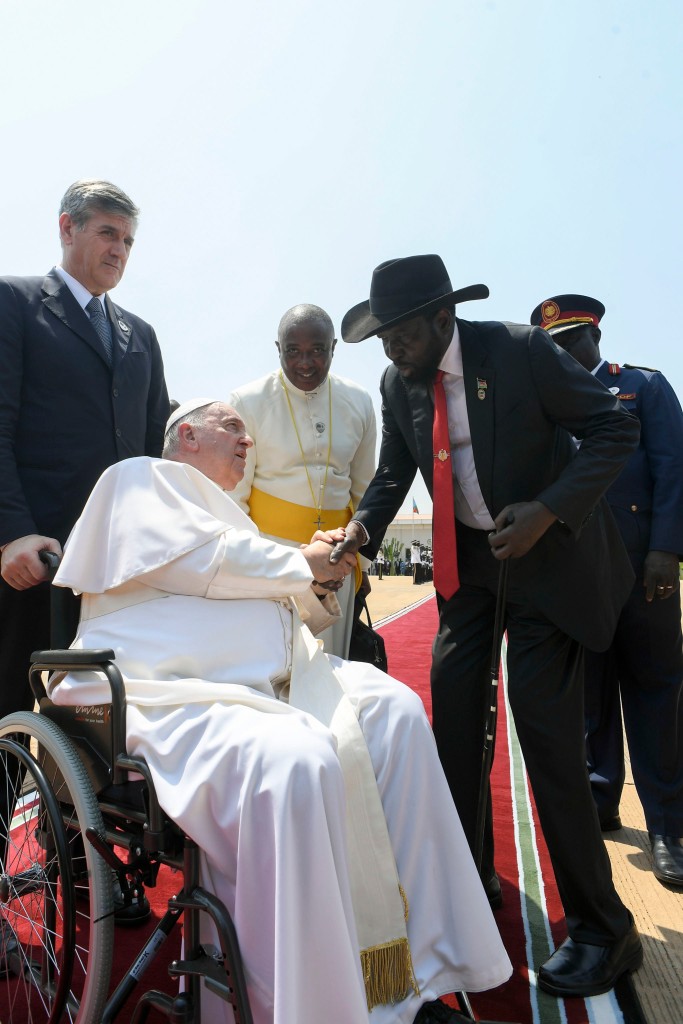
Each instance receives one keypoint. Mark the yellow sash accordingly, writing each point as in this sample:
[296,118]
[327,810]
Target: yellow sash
[281,518]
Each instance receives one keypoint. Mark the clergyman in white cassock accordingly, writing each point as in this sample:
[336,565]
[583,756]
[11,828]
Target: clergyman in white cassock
[314,447]
[197,608]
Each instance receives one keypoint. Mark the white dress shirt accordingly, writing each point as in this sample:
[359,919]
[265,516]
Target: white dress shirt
[470,507]
[79,291]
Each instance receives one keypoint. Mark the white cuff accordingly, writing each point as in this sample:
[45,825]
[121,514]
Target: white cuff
[367,535]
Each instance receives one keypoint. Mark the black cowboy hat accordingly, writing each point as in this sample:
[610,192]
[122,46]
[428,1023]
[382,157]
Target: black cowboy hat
[402,289]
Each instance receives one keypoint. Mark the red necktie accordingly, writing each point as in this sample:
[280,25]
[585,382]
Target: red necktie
[446,579]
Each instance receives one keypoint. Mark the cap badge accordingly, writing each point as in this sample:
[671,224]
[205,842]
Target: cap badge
[551,311]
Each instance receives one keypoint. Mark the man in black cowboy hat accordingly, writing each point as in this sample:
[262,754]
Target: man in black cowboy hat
[642,671]
[509,401]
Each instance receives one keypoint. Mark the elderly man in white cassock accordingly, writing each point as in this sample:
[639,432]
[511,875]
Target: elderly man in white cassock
[312,785]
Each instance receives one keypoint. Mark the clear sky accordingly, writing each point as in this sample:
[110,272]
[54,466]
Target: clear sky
[281,149]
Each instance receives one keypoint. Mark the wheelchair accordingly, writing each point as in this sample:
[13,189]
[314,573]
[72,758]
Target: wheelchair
[79,820]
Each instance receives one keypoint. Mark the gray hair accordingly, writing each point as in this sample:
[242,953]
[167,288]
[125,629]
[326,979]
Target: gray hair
[196,418]
[87,195]
[304,313]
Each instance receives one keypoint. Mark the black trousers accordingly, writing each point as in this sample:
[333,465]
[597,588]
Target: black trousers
[25,626]
[642,672]
[545,688]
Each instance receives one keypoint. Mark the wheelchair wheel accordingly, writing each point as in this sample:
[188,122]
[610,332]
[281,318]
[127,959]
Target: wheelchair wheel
[55,949]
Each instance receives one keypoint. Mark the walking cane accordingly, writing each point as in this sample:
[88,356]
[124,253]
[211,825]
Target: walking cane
[489,736]
[492,710]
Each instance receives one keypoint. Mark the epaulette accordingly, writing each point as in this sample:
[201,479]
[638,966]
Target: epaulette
[632,366]
[613,369]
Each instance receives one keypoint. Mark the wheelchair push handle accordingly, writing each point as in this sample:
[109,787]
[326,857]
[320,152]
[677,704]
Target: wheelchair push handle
[64,609]
[51,559]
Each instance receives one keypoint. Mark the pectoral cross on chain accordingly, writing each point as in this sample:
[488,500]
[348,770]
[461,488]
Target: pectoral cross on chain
[319,521]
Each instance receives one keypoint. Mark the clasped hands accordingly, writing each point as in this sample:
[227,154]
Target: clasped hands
[328,574]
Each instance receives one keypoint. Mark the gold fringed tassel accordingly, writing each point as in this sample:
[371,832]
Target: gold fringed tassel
[388,973]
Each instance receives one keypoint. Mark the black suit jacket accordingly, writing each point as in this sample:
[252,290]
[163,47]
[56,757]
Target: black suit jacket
[65,414]
[535,397]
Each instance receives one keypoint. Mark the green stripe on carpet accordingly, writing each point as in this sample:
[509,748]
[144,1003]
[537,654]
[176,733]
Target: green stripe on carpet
[539,943]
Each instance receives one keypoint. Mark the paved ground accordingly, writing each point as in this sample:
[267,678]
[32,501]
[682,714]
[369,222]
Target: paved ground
[658,911]
[392,593]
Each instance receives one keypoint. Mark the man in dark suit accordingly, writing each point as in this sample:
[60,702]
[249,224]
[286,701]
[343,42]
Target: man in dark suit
[80,389]
[642,671]
[520,491]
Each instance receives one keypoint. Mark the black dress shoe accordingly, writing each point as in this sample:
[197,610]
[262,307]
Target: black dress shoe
[438,1013]
[612,824]
[667,859]
[494,892]
[136,910]
[581,969]
[130,914]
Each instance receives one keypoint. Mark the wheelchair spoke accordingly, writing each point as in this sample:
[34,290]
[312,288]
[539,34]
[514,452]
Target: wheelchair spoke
[31,919]
[48,945]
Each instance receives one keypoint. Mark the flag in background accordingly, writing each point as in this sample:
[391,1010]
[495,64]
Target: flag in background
[416,510]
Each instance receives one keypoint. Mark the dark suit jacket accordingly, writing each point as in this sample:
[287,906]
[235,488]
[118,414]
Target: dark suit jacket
[647,497]
[65,414]
[535,398]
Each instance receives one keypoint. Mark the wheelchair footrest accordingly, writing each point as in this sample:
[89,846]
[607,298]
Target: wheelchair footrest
[211,969]
[177,1011]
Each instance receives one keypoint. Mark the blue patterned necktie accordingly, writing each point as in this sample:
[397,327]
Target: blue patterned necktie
[101,324]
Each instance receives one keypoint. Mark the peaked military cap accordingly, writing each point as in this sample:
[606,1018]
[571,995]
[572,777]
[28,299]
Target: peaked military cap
[565,312]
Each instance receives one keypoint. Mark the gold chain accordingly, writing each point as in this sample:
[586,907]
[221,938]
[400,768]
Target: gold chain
[317,505]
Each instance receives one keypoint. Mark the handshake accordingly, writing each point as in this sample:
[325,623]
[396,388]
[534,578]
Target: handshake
[331,555]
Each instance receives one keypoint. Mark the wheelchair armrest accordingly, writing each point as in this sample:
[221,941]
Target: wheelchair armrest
[102,661]
[69,657]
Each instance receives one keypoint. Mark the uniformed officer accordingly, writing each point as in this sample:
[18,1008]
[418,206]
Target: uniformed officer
[642,672]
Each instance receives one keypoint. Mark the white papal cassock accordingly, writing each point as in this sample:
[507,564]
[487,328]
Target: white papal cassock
[275,465]
[195,605]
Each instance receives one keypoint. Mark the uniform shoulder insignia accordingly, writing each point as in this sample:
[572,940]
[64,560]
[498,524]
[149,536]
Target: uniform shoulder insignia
[632,366]
[613,369]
